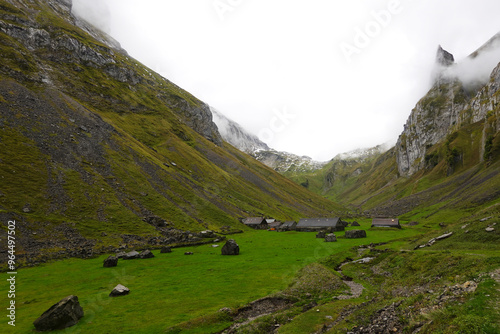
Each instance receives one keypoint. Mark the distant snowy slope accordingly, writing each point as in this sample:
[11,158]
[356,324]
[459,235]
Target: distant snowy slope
[236,135]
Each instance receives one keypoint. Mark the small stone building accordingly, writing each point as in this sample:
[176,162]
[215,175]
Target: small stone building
[318,224]
[288,226]
[258,223]
[386,222]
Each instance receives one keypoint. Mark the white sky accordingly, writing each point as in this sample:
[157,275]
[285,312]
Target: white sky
[277,66]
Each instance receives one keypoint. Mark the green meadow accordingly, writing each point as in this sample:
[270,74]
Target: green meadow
[174,288]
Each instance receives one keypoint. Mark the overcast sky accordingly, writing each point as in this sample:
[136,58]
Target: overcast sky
[317,77]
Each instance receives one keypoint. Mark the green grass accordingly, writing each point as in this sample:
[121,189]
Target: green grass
[174,288]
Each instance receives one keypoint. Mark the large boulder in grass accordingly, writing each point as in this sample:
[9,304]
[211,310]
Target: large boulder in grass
[166,249]
[111,261]
[321,234]
[330,238]
[66,313]
[355,234]
[119,290]
[147,254]
[131,255]
[230,248]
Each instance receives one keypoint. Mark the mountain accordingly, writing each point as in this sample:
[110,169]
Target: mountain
[236,135]
[282,162]
[97,151]
[446,158]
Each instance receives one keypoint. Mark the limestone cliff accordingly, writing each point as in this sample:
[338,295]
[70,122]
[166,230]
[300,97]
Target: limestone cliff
[460,96]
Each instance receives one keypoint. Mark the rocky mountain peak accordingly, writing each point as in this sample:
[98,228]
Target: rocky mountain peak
[444,58]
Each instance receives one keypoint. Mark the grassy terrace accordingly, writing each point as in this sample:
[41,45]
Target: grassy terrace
[174,288]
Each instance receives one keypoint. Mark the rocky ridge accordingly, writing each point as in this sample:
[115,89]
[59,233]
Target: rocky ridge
[451,103]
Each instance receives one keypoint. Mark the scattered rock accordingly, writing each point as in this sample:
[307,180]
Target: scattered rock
[355,234]
[355,223]
[489,229]
[230,248]
[121,255]
[119,290]
[207,234]
[188,253]
[215,246]
[485,219]
[111,261]
[330,238]
[146,254]
[321,234]
[66,313]
[166,249]
[131,255]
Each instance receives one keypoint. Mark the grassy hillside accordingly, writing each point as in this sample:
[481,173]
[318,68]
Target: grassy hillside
[93,144]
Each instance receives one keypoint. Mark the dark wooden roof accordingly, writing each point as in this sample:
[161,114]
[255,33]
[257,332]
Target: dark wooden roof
[254,221]
[391,222]
[318,222]
[288,224]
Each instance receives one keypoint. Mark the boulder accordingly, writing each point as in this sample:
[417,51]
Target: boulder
[321,234]
[330,238]
[131,255]
[66,313]
[230,248]
[166,249]
[355,223]
[119,290]
[121,255]
[146,254]
[355,234]
[188,253]
[111,261]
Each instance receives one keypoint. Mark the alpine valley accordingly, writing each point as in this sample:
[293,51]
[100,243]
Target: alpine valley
[101,156]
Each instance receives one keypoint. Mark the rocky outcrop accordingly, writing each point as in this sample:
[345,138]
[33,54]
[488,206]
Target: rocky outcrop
[454,101]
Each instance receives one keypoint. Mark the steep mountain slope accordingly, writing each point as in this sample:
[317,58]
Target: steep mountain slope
[98,151]
[447,156]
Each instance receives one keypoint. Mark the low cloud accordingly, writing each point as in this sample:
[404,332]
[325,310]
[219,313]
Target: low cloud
[475,70]
[96,12]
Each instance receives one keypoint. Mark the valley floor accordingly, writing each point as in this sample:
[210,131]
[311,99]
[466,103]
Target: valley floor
[412,290]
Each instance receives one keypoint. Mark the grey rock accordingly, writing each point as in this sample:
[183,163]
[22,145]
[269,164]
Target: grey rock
[355,223]
[111,261]
[166,249]
[146,254]
[131,255]
[119,290]
[66,313]
[230,248]
[355,234]
[188,253]
[330,238]
[490,229]
[444,58]
[320,234]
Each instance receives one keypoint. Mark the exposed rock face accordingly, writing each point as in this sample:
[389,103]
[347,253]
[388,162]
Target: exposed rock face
[230,248]
[444,58]
[451,103]
[66,313]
